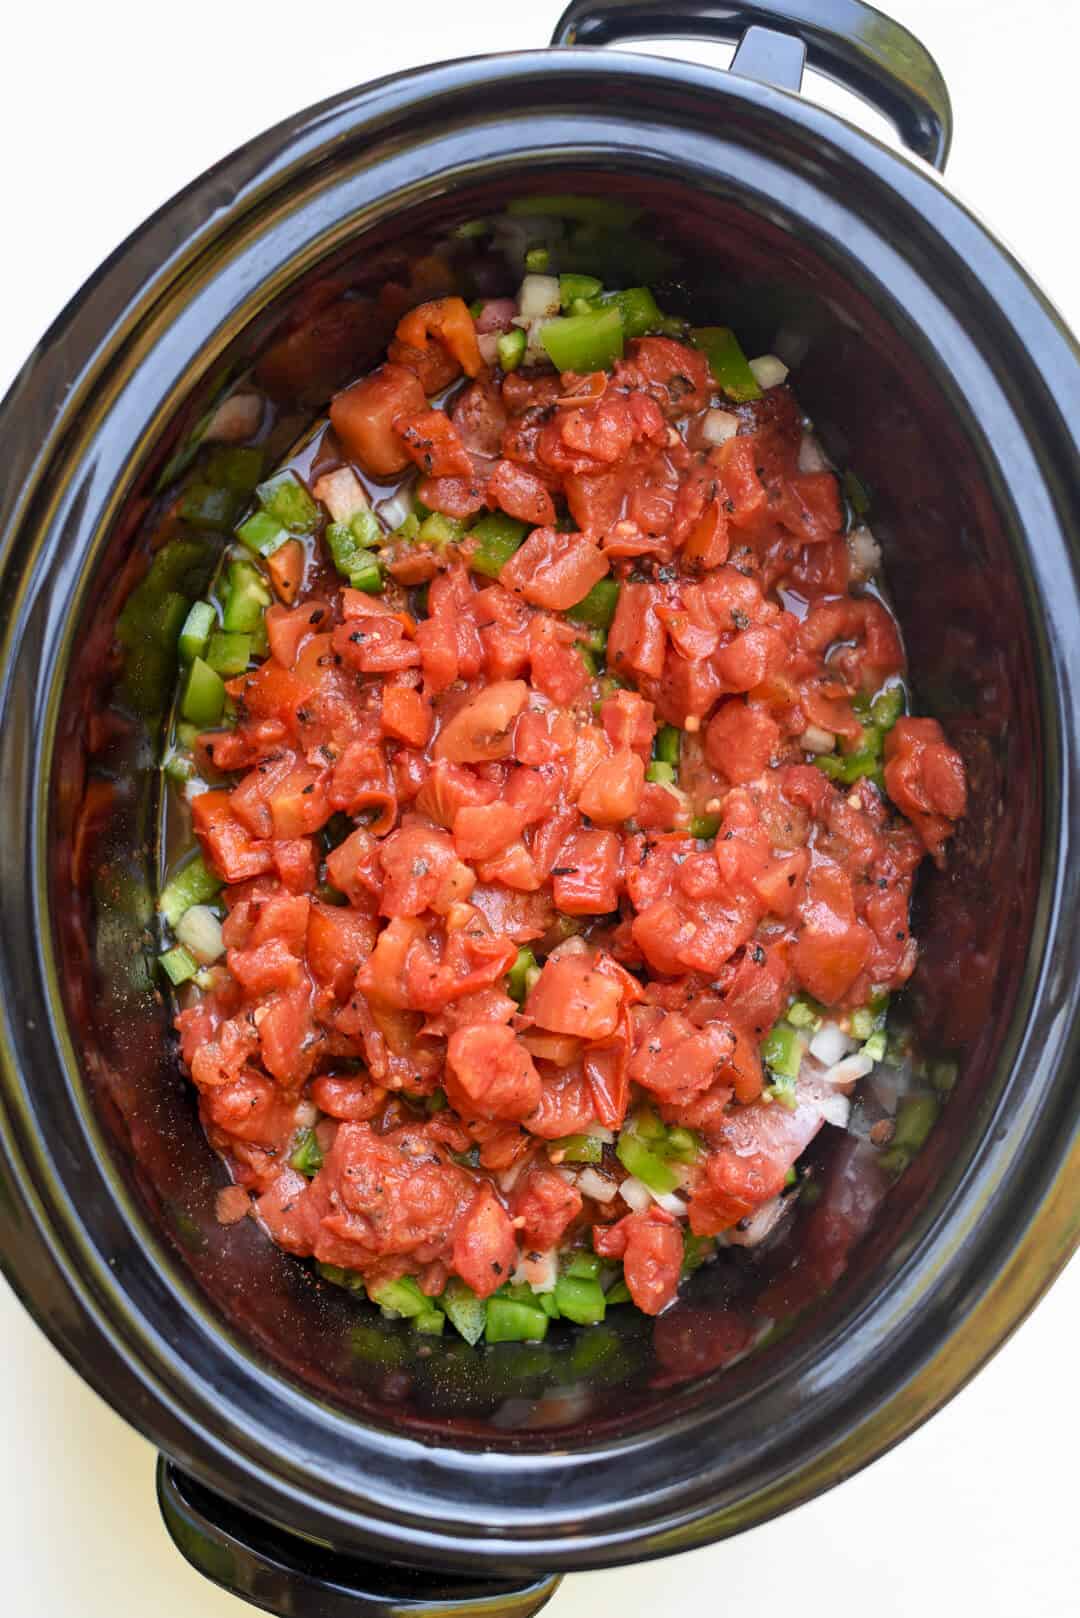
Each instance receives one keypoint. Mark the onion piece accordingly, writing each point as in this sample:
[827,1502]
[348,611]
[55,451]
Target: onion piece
[488,344]
[306,1115]
[200,933]
[235,419]
[829,1044]
[864,550]
[769,371]
[635,1193]
[762,1222]
[836,1109]
[539,297]
[718,426]
[812,458]
[849,1070]
[342,493]
[591,1183]
[396,509]
[816,740]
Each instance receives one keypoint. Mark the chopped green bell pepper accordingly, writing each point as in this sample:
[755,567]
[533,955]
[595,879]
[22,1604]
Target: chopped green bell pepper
[782,1050]
[727,362]
[667,743]
[195,633]
[782,1089]
[438,529]
[430,1323]
[914,1121]
[246,597]
[512,1322]
[203,698]
[639,1159]
[857,493]
[367,577]
[178,965]
[578,288]
[586,1266]
[466,1312]
[638,309]
[517,984]
[875,1046]
[285,499]
[887,707]
[403,1296]
[682,1144]
[537,260]
[619,1293]
[598,606]
[205,506]
[660,772]
[696,1249]
[584,343]
[704,826]
[193,884]
[577,1149]
[307,1157]
[229,653]
[495,539]
[580,1299]
[803,1014]
[238,468]
[262,533]
[510,348]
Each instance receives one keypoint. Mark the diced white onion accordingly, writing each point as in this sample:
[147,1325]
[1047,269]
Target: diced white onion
[769,371]
[200,933]
[669,1202]
[509,1177]
[306,1114]
[342,493]
[567,1173]
[235,419]
[718,426]
[812,457]
[535,352]
[597,1131]
[394,511]
[829,1044]
[591,1183]
[540,1273]
[865,551]
[761,1223]
[848,1071]
[635,1194]
[816,740]
[836,1109]
[488,344]
[539,297]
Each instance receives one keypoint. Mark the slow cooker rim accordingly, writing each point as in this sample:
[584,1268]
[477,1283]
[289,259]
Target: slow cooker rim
[582,62]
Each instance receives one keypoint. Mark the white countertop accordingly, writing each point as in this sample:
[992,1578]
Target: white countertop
[107,110]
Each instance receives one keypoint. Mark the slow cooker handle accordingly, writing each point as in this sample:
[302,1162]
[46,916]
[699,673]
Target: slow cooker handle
[293,1577]
[846,40]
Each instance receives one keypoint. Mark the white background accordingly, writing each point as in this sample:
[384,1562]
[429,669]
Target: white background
[107,109]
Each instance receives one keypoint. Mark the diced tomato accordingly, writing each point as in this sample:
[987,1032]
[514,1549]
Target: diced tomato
[489,1074]
[484,1251]
[406,715]
[553,569]
[431,440]
[518,492]
[585,881]
[572,997]
[547,1205]
[363,418]
[741,740]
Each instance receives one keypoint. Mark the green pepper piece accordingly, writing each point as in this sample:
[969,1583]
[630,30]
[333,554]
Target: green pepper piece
[512,1322]
[639,1159]
[667,744]
[205,506]
[598,606]
[203,697]
[238,468]
[586,1266]
[346,551]
[285,499]
[727,362]
[510,348]
[438,529]
[365,527]
[228,653]
[914,1121]
[682,1144]
[262,533]
[333,1273]
[649,1125]
[803,1014]
[580,1299]
[875,1046]
[704,826]
[367,577]
[466,1312]
[546,1300]
[782,1089]
[307,1157]
[403,1296]
[638,308]
[195,634]
[494,540]
[577,1149]
[660,772]
[592,210]
[178,965]
[246,597]
[178,768]
[887,707]
[430,1323]
[436,1101]
[578,288]
[537,260]
[409,529]
[782,1050]
[584,343]
[193,884]
[517,985]
[857,493]
[619,1293]
[943,1076]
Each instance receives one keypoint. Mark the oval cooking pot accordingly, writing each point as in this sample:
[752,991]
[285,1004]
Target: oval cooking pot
[317,1464]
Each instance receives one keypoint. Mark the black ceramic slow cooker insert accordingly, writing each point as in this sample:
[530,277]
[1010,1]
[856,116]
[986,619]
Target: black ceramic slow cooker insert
[311,1462]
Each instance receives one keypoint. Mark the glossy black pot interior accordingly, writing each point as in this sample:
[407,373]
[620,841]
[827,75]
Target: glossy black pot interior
[932,366]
